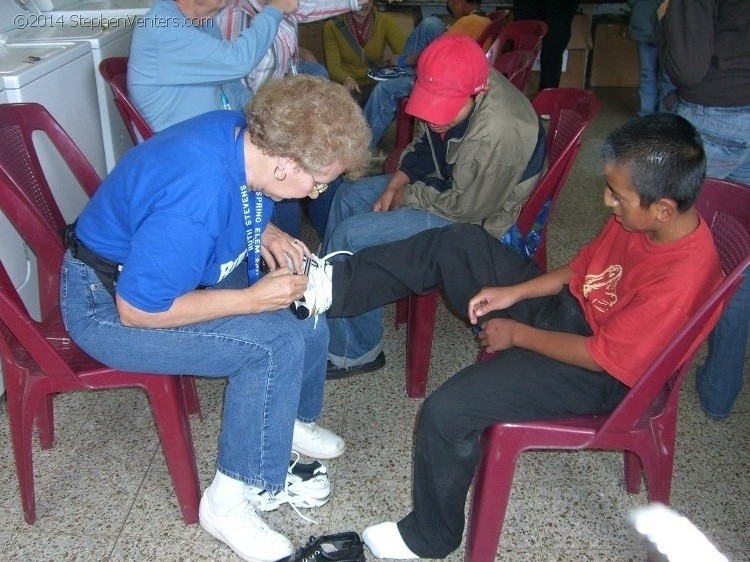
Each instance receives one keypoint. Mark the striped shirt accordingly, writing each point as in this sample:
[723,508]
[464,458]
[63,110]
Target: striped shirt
[278,59]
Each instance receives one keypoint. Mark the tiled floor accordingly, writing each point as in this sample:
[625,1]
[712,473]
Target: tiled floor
[103,492]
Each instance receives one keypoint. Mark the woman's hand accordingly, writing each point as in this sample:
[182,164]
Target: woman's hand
[351,85]
[285,6]
[491,298]
[277,247]
[497,334]
[277,289]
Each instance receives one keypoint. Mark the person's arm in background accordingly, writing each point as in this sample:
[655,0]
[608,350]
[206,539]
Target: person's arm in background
[315,10]
[394,36]
[685,37]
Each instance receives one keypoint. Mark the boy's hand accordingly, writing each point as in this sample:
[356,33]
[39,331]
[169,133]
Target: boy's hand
[391,200]
[489,299]
[497,334]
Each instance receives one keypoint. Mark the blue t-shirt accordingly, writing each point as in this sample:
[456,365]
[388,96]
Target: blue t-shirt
[171,211]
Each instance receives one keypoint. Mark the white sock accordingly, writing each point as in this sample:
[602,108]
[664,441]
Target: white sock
[384,541]
[224,493]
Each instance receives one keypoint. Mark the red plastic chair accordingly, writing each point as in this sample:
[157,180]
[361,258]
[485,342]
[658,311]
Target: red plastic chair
[645,422]
[569,111]
[498,20]
[18,123]
[524,35]
[115,71]
[516,67]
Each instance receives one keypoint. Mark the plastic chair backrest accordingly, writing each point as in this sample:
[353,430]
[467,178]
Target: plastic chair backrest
[726,208]
[47,246]
[569,111]
[115,71]
[20,162]
[523,35]
[498,20]
[516,67]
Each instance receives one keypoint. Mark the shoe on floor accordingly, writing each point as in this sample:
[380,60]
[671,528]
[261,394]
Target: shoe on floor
[311,440]
[307,485]
[384,541]
[319,292]
[388,72]
[242,530]
[341,547]
[334,372]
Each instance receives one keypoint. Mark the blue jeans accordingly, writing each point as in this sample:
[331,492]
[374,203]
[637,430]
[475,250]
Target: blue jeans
[654,84]
[725,138]
[719,380]
[353,226]
[381,106]
[275,365]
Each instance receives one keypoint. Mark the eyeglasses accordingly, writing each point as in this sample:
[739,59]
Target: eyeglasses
[319,187]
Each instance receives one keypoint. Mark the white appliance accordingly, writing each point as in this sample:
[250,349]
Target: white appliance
[107,38]
[7,237]
[76,9]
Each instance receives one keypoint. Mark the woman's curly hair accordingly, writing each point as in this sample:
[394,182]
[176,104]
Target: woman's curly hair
[312,121]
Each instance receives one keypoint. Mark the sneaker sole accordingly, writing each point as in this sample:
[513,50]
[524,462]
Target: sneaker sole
[313,454]
[374,365]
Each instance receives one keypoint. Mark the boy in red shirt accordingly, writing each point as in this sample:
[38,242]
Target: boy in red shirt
[573,340]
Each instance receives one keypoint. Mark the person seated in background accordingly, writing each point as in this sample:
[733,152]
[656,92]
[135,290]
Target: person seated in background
[354,44]
[397,82]
[476,156]
[284,57]
[179,65]
[568,342]
[162,275]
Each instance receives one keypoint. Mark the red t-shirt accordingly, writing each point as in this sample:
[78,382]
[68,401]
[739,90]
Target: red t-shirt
[636,294]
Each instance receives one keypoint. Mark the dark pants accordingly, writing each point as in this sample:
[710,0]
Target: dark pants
[558,14]
[515,385]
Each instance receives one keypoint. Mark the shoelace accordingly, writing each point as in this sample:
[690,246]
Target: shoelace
[286,488]
[324,261]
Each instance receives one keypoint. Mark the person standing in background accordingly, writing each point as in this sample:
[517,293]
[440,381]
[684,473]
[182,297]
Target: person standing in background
[558,14]
[654,83]
[704,46]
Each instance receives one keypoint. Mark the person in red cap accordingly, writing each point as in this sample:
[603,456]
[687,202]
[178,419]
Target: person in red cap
[476,156]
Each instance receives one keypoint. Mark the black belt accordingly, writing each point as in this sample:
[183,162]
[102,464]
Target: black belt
[107,271]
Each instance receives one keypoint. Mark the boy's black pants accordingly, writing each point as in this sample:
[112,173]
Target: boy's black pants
[515,385]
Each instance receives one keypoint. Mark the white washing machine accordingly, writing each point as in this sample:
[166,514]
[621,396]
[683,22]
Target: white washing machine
[107,37]
[75,9]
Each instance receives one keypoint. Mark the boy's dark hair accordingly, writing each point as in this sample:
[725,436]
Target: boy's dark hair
[664,156]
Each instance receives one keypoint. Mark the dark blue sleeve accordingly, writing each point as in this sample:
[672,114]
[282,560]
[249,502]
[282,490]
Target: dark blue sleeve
[418,164]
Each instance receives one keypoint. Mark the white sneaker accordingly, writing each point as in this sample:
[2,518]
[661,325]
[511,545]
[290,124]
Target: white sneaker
[311,440]
[307,485]
[242,530]
[319,293]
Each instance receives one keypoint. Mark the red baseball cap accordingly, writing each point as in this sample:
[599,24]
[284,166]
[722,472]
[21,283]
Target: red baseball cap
[450,70]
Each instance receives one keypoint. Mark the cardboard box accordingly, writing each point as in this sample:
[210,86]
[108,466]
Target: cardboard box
[615,59]
[576,56]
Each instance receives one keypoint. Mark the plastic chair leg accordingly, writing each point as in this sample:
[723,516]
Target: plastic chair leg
[489,502]
[632,472]
[45,422]
[192,401]
[420,329]
[22,429]
[172,423]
